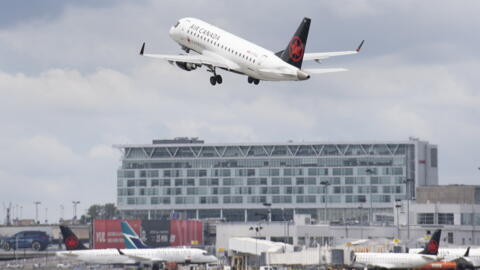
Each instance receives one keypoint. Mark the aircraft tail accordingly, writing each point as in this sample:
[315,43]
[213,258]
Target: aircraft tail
[293,54]
[130,238]
[70,240]
[432,246]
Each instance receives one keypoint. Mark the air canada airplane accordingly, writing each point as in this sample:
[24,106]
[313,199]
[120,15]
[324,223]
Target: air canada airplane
[464,258]
[401,260]
[219,49]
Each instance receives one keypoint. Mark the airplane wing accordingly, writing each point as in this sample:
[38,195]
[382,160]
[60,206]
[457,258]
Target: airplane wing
[194,59]
[324,55]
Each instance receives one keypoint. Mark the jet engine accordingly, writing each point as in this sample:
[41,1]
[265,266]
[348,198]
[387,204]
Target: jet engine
[186,66]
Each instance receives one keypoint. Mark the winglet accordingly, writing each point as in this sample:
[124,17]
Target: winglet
[119,251]
[358,48]
[142,49]
[467,252]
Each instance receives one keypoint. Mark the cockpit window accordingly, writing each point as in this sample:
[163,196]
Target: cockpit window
[176,24]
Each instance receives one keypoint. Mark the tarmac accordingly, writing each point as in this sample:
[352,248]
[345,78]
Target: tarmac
[29,259]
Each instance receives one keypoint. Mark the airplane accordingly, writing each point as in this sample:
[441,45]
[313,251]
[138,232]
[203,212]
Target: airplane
[218,49]
[464,259]
[401,260]
[148,257]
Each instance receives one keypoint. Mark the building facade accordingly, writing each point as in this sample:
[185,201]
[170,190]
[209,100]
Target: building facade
[253,181]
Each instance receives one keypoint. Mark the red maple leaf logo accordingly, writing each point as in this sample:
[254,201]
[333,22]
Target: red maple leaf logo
[71,242]
[295,49]
[432,247]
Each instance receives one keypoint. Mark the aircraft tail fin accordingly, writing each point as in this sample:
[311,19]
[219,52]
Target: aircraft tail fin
[467,253]
[293,54]
[130,238]
[70,240]
[432,246]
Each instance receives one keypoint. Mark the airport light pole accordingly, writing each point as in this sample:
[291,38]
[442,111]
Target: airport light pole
[325,185]
[62,208]
[370,212]
[75,203]
[257,230]
[360,208]
[36,210]
[397,206]
[408,195]
[284,231]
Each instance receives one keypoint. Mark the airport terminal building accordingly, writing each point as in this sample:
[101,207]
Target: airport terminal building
[189,178]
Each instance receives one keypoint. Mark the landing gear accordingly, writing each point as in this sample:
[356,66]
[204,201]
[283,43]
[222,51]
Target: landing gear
[254,81]
[213,81]
[216,79]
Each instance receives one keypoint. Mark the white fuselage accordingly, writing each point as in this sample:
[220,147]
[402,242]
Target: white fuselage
[393,260]
[245,57]
[442,252]
[131,256]
[452,254]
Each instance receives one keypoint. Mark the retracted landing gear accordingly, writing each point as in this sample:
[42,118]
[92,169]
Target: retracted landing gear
[254,81]
[215,78]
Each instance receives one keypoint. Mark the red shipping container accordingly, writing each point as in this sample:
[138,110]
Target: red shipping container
[186,232]
[107,233]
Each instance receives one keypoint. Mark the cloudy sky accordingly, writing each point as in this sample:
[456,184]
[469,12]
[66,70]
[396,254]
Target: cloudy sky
[72,85]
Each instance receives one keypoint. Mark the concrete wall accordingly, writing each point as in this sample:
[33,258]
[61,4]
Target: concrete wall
[453,194]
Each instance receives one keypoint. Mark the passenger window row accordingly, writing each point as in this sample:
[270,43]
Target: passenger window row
[250,59]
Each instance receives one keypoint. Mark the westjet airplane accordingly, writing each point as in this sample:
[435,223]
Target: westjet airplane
[216,48]
[401,260]
[150,257]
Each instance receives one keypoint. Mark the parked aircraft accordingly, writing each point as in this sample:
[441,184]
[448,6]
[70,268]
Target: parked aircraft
[464,258]
[401,260]
[218,49]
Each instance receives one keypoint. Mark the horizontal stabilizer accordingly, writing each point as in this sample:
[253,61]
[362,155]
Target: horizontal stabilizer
[324,55]
[323,70]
